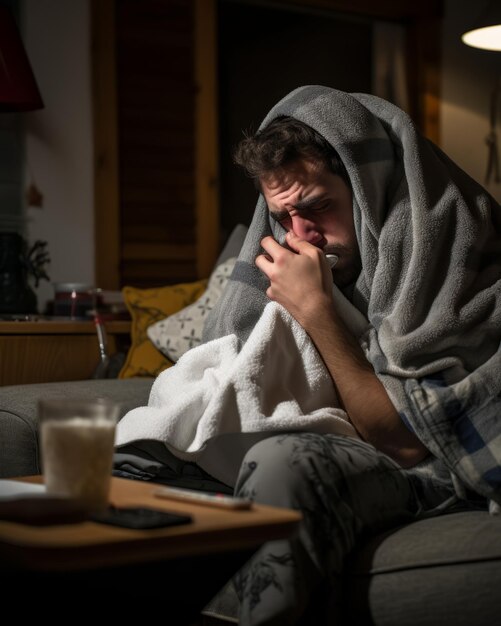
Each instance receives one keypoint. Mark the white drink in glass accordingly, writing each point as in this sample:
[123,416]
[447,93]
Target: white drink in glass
[77,442]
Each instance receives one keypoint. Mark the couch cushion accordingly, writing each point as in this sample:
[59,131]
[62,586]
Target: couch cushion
[174,335]
[146,307]
[443,570]
[19,422]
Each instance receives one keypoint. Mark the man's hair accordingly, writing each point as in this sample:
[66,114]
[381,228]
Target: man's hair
[283,141]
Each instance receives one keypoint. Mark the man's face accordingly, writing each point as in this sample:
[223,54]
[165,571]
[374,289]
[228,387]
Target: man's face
[317,206]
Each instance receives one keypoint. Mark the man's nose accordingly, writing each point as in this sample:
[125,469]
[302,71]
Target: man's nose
[306,229]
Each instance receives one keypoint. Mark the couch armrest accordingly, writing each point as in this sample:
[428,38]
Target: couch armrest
[19,450]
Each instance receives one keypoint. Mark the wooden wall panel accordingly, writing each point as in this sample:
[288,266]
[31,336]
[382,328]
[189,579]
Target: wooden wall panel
[207,133]
[156,111]
[155,91]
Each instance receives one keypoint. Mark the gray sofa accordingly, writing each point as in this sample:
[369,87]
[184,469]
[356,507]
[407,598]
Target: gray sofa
[445,570]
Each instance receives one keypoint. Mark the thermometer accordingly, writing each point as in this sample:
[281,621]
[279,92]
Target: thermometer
[332,259]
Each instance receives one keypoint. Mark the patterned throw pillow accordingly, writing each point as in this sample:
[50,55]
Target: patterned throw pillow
[180,332]
[146,307]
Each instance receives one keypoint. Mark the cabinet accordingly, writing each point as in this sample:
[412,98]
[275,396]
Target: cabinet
[54,351]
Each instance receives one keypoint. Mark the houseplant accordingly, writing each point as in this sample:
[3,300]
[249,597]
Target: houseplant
[19,262]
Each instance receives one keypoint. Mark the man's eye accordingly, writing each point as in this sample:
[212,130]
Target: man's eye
[321,208]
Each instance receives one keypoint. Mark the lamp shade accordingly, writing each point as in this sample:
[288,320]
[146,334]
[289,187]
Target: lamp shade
[18,88]
[486,32]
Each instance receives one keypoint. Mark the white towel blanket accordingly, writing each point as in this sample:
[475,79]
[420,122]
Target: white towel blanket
[220,398]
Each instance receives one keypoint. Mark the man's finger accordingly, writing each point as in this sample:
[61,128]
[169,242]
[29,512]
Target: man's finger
[271,246]
[263,263]
[265,257]
[300,245]
[294,241]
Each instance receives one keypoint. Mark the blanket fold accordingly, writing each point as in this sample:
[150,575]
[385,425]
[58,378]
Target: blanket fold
[220,398]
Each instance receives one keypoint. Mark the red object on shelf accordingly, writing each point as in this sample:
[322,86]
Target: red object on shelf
[74,300]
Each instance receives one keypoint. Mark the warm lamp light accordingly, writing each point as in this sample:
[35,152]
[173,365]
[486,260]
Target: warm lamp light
[18,88]
[486,33]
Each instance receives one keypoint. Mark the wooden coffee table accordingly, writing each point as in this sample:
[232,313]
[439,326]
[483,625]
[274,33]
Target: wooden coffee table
[122,573]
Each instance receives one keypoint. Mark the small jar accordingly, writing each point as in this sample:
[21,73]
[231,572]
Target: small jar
[74,300]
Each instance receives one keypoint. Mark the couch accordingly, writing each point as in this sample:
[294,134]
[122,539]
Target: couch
[445,570]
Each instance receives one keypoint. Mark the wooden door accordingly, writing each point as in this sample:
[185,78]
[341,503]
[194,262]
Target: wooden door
[155,137]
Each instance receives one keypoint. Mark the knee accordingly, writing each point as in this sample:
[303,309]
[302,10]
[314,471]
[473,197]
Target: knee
[269,450]
[275,471]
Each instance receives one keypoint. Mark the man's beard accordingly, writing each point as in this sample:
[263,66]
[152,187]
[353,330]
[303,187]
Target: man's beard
[348,273]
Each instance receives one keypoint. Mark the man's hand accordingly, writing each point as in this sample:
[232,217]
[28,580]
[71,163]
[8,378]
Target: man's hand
[301,281]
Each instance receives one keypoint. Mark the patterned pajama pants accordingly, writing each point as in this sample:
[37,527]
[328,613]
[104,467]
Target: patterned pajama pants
[343,487]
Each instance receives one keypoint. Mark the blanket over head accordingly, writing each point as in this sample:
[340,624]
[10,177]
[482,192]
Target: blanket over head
[430,285]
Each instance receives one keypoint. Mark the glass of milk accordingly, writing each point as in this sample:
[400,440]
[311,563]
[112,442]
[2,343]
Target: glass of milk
[77,444]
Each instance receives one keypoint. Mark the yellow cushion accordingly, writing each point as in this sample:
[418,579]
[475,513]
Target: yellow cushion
[147,306]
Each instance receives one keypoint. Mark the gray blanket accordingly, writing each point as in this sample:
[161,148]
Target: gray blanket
[430,242]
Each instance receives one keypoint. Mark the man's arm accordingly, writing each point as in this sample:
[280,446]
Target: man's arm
[302,283]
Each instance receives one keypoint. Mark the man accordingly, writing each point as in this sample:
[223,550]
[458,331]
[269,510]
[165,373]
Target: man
[418,247]
[306,195]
